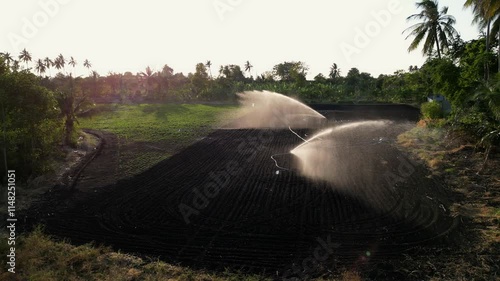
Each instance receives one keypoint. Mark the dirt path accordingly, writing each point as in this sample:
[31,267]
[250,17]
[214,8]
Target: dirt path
[102,169]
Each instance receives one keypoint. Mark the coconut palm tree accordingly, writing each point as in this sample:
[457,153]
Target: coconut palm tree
[48,64]
[334,71]
[73,63]
[208,64]
[149,76]
[87,64]
[495,25]
[70,105]
[485,12]
[487,16]
[25,57]
[95,77]
[40,67]
[7,57]
[221,70]
[436,28]
[248,67]
[60,62]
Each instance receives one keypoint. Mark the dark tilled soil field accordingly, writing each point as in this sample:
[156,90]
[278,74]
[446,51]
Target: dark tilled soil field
[235,199]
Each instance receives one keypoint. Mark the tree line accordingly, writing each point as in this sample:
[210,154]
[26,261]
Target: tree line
[165,85]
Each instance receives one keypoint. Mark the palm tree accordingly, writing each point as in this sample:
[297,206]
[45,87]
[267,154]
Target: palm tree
[40,67]
[8,58]
[221,70]
[59,62]
[149,76]
[495,26]
[25,57]
[208,64]
[95,77]
[70,105]
[485,12]
[87,64]
[487,16]
[412,68]
[73,63]
[436,27]
[248,67]
[334,71]
[48,63]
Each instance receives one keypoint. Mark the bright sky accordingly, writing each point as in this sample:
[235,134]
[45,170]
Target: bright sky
[124,36]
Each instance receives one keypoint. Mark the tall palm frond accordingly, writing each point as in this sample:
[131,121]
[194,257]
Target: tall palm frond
[25,57]
[87,64]
[72,62]
[40,67]
[208,64]
[60,62]
[436,27]
[8,58]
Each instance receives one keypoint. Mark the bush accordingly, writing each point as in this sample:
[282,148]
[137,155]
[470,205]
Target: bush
[431,110]
[31,123]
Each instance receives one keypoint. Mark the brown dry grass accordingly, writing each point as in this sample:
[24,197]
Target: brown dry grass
[455,161]
[39,257]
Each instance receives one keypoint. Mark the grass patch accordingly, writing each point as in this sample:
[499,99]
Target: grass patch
[39,257]
[474,196]
[156,122]
[425,143]
[150,133]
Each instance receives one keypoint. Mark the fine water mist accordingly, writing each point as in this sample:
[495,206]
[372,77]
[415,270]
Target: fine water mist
[352,160]
[264,109]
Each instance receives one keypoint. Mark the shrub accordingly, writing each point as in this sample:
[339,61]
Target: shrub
[431,110]
[30,122]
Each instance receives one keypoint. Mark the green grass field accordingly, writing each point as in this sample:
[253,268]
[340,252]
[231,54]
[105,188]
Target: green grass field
[157,122]
[149,133]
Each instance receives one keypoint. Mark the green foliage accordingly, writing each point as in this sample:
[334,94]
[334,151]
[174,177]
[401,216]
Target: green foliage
[320,78]
[199,80]
[291,71]
[232,72]
[442,76]
[359,85]
[32,126]
[480,117]
[165,86]
[431,110]
[403,87]
[154,122]
[472,60]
